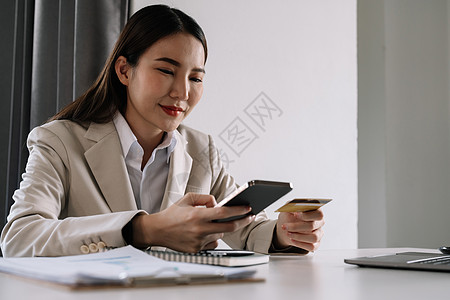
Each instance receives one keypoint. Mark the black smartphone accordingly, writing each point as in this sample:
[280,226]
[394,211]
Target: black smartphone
[258,194]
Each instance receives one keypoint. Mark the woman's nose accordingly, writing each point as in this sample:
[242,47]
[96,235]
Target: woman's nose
[180,89]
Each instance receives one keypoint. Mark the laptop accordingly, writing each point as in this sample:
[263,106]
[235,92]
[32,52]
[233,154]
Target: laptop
[405,260]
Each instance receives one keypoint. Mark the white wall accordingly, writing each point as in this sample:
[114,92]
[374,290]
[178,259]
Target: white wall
[302,56]
[404,124]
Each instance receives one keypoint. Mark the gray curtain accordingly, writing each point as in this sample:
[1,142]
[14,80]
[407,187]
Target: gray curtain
[58,49]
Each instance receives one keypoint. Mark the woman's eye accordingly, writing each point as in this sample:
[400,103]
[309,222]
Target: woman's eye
[165,71]
[196,80]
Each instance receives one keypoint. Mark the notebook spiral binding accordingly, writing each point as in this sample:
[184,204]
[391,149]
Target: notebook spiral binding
[197,258]
[208,257]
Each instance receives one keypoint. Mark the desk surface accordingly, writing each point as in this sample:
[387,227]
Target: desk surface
[322,275]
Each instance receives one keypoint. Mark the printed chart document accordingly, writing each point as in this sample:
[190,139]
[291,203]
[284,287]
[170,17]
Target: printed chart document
[126,266]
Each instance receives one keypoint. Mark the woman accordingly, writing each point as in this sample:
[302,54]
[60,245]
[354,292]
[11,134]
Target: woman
[115,167]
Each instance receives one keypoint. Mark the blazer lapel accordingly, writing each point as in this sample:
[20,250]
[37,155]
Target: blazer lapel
[179,171]
[106,161]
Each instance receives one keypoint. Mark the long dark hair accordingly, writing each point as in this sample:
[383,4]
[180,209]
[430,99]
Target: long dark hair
[107,95]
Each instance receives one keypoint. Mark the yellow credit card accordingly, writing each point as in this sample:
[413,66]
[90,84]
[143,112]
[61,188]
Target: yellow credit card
[303,204]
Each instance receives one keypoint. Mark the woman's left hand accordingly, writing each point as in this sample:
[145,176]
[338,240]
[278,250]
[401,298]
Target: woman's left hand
[300,229]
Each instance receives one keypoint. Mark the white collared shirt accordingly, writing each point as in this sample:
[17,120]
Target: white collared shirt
[149,184]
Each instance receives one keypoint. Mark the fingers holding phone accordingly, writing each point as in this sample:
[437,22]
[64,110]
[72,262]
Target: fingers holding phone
[187,225]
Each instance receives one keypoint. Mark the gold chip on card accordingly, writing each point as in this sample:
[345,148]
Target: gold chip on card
[303,204]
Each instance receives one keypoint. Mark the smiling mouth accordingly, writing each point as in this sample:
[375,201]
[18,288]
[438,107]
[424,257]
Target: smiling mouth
[173,111]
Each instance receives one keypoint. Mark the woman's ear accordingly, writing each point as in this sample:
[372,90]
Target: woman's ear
[122,69]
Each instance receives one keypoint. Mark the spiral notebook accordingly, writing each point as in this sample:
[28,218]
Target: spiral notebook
[227,257]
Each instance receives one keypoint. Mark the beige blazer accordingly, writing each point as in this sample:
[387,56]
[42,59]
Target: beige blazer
[76,191]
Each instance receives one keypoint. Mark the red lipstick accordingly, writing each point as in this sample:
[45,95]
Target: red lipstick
[173,111]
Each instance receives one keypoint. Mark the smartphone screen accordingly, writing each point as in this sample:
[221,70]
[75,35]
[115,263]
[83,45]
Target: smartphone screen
[258,194]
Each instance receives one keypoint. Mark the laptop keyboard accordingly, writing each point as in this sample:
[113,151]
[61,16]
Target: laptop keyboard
[436,261]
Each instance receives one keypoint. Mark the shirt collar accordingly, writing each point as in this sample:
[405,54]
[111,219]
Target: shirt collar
[127,137]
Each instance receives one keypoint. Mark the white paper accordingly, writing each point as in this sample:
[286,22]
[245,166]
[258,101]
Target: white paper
[120,265]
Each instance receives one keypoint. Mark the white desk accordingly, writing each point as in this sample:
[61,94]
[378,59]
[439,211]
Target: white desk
[323,275]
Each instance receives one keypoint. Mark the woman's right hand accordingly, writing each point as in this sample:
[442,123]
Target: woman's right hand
[188,225]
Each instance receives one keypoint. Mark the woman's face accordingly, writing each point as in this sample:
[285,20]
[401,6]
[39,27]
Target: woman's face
[166,84]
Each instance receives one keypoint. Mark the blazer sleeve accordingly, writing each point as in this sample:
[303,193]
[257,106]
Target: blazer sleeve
[38,224]
[258,235]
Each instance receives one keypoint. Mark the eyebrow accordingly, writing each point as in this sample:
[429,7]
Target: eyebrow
[177,64]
